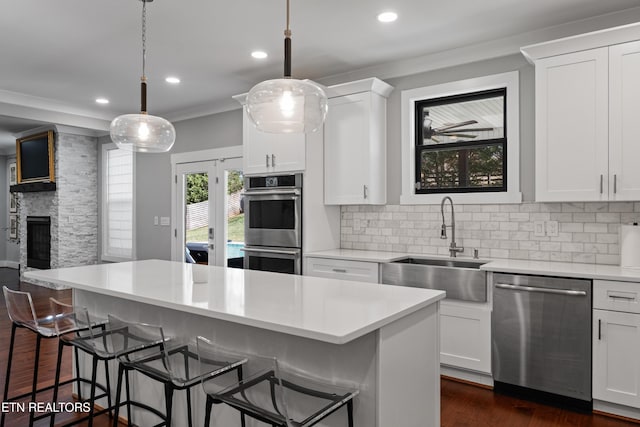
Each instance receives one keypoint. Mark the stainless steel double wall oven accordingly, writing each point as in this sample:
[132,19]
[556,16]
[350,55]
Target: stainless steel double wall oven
[273,223]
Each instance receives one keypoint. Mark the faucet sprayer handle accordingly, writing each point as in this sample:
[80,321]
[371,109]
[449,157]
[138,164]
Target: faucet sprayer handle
[443,232]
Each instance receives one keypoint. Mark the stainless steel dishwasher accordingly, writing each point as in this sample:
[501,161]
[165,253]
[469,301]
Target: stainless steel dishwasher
[541,337]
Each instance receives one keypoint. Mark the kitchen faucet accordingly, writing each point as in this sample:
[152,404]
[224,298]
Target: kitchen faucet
[453,249]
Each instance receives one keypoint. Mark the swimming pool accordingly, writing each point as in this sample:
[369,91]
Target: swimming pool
[234,249]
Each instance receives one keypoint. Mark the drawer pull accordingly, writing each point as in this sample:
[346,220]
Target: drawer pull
[339,270]
[624,296]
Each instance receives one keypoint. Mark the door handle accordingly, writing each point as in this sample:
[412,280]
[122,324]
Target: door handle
[569,292]
[364,191]
[273,160]
[599,329]
[615,183]
[601,183]
[267,157]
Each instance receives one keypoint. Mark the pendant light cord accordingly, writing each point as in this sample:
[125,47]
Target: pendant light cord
[287,48]
[144,37]
[143,79]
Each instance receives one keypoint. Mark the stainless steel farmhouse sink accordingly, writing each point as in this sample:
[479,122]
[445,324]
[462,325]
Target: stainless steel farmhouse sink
[461,279]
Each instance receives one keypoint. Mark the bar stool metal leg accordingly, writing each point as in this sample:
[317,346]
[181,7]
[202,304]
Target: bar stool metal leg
[168,403]
[57,380]
[207,411]
[5,396]
[116,411]
[92,399]
[35,376]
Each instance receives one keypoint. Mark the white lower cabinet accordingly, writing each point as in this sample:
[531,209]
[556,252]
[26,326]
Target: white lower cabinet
[616,361]
[616,343]
[360,271]
[465,335]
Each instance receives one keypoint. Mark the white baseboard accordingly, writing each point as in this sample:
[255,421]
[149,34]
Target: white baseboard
[620,410]
[471,376]
[10,264]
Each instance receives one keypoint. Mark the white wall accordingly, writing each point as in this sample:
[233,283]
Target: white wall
[153,176]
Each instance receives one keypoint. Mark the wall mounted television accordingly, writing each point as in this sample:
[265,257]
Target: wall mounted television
[34,157]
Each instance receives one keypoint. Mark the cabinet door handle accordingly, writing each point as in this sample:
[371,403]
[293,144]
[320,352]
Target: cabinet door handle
[273,160]
[267,157]
[364,191]
[599,329]
[339,270]
[601,183]
[615,183]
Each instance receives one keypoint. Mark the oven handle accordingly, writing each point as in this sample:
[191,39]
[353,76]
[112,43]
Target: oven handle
[295,253]
[569,292]
[275,192]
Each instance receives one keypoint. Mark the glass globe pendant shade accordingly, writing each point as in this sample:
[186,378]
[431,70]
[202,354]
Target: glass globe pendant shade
[287,106]
[142,133]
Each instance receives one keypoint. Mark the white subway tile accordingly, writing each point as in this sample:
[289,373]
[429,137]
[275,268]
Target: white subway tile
[573,207]
[608,217]
[583,258]
[571,227]
[572,247]
[584,217]
[607,259]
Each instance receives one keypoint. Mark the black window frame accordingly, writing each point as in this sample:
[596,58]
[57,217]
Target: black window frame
[420,147]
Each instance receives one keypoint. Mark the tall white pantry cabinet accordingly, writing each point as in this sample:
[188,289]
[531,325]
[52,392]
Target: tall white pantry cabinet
[587,108]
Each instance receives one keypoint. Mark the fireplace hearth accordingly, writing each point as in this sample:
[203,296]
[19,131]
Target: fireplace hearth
[39,242]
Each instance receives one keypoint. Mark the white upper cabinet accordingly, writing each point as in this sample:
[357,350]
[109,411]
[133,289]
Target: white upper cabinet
[355,143]
[571,126]
[624,123]
[587,104]
[270,152]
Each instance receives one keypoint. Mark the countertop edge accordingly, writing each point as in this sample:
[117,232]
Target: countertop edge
[544,268]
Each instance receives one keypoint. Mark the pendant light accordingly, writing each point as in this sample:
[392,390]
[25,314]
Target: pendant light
[143,132]
[287,105]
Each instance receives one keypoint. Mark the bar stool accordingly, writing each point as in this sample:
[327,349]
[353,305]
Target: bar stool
[268,392]
[174,364]
[22,314]
[75,329]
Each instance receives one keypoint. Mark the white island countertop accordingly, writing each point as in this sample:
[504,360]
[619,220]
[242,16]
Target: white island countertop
[334,311]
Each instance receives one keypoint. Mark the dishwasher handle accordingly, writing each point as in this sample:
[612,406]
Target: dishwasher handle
[569,292]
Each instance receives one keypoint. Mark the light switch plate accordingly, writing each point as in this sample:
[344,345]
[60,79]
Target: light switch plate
[165,220]
[538,228]
[155,220]
[552,228]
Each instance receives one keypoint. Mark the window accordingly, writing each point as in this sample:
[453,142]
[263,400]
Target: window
[460,143]
[462,139]
[117,204]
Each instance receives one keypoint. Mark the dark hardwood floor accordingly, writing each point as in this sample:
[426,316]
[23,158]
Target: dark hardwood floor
[463,405]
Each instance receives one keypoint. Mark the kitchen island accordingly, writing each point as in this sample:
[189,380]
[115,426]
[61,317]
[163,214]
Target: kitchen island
[384,340]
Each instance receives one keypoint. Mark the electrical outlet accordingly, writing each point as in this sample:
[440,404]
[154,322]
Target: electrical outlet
[552,228]
[538,228]
[165,220]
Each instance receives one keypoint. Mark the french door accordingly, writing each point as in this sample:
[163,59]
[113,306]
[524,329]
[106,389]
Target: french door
[209,215]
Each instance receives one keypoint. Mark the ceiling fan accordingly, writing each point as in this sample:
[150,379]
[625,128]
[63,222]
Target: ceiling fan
[449,129]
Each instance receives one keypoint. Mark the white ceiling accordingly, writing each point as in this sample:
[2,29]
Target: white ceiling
[61,55]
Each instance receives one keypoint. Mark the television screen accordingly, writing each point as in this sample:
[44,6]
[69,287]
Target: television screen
[34,158]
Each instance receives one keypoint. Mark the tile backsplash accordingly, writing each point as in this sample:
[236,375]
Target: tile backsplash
[586,233]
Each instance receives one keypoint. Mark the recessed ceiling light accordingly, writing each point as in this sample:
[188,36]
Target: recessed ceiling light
[102,100]
[387,17]
[172,80]
[258,54]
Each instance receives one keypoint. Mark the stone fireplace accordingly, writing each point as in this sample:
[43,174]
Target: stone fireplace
[72,209]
